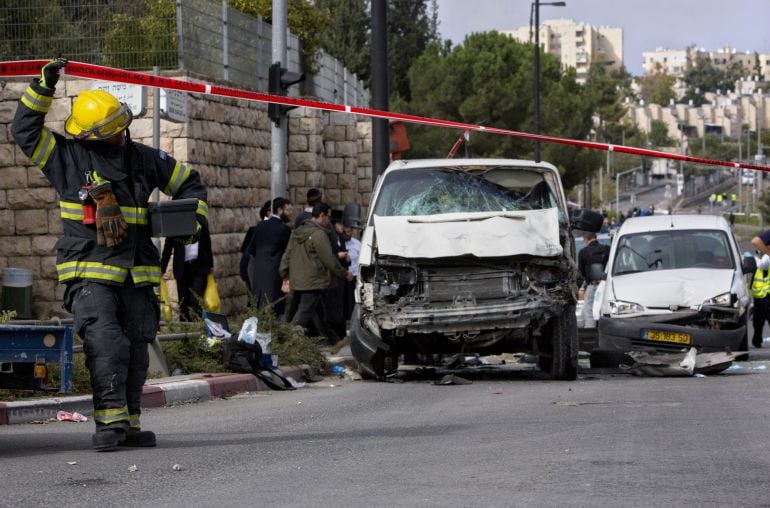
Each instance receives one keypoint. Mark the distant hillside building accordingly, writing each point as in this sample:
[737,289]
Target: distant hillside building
[676,61]
[576,45]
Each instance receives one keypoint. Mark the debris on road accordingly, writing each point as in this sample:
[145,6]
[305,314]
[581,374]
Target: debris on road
[65,416]
[687,363]
[451,379]
[133,469]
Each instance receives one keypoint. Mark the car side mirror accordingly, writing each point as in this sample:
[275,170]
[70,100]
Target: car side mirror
[596,272]
[749,264]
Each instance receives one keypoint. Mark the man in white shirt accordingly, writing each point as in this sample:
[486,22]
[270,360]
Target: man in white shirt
[353,248]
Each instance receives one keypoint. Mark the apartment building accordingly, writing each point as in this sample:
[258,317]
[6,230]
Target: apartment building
[676,61]
[576,44]
[735,115]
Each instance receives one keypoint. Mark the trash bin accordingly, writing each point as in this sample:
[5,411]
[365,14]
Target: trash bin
[17,291]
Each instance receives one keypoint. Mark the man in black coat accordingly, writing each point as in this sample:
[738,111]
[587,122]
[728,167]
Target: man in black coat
[264,213]
[268,242]
[314,196]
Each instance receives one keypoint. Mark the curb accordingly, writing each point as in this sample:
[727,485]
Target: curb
[162,392]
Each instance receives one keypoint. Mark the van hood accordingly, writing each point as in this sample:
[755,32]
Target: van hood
[480,234]
[666,288]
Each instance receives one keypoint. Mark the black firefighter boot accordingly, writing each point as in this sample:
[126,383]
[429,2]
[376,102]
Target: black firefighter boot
[107,439]
[139,438]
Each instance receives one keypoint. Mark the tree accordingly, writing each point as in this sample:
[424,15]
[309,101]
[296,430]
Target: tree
[657,87]
[488,80]
[348,35]
[411,28]
[142,36]
[659,134]
[702,76]
[304,20]
[607,91]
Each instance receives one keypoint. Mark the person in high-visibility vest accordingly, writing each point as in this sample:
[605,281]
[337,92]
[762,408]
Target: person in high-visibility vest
[719,199]
[760,291]
[712,198]
[733,199]
[760,287]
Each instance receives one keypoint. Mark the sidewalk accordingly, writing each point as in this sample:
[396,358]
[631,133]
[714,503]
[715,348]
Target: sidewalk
[167,391]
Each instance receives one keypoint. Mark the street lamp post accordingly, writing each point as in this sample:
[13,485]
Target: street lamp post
[536,9]
[617,187]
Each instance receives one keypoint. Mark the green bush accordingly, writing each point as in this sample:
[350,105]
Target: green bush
[290,343]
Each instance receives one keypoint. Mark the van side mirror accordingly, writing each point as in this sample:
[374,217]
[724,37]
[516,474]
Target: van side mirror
[749,265]
[588,220]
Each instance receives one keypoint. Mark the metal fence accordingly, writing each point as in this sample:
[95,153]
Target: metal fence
[117,33]
[206,37]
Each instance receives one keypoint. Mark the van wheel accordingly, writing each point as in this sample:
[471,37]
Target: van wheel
[559,346]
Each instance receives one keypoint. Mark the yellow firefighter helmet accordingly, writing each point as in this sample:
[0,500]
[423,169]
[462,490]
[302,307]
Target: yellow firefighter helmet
[97,115]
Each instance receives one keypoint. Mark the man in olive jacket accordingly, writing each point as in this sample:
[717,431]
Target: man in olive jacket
[308,266]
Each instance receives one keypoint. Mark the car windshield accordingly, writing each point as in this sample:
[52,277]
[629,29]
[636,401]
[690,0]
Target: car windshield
[431,191]
[671,250]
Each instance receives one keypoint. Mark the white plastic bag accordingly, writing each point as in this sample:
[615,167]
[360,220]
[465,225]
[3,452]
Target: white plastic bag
[596,305]
[248,333]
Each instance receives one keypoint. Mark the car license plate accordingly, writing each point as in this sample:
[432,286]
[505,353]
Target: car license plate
[661,336]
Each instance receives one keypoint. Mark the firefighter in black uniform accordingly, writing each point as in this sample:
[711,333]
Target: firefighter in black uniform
[106,257]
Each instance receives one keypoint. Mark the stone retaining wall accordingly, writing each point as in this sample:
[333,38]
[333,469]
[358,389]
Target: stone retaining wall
[226,140]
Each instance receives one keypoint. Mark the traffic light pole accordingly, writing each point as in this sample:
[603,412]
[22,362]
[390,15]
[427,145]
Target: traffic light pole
[380,126]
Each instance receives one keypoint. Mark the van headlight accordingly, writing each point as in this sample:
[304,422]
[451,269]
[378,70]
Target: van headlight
[621,308]
[723,299]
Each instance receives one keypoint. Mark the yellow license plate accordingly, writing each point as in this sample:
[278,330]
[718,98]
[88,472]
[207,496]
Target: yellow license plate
[676,337]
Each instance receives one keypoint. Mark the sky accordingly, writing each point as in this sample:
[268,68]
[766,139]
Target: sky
[647,24]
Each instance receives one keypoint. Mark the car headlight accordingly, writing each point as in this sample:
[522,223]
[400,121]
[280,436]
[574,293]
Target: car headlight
[620,308]
[723,299]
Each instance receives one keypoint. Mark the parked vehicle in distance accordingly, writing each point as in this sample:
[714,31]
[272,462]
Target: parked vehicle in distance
[466,256]
[673,282]
[748,177]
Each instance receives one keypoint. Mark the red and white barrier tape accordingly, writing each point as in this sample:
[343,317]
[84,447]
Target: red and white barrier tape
[98,72]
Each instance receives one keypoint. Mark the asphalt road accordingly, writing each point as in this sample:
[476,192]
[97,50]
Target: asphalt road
[515,440]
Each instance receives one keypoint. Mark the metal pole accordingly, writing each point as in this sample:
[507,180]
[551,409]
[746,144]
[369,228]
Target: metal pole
[380,126]
[537,78]
[279,139]
[225,43]
[761,176]
[179,34]
[155,196]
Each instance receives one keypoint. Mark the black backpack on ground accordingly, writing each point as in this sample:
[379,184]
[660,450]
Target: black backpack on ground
[240,356]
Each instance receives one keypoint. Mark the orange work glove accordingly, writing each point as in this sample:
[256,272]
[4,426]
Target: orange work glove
[111,227]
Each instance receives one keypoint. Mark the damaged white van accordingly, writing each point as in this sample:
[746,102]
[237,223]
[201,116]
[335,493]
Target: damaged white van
[673,282]
[466,256]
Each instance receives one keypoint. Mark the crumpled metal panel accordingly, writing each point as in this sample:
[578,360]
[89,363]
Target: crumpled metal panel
[481,234]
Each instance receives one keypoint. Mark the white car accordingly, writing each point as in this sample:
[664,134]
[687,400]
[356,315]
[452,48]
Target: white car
[673,282]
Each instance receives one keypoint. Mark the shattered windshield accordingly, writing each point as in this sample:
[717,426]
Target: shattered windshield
[669,250]
[449,190]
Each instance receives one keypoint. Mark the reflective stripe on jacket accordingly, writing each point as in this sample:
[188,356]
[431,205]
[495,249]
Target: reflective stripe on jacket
[761,285]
